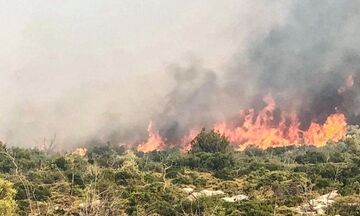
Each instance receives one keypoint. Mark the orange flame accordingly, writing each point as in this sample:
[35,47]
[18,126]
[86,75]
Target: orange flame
[154,141]
[262,129]
[333,129]
[186,140]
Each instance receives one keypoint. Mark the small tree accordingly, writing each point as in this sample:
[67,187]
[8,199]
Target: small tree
[210,142]
[129,171]
[352,139]
[7,202]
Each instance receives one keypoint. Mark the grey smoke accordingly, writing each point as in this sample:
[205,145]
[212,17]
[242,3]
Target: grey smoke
[99,72]
[302,64]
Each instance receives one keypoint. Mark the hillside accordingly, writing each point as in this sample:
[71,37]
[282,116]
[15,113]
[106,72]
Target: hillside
[211,179]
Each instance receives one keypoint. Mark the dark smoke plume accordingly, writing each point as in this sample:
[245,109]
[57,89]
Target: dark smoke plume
[304,64]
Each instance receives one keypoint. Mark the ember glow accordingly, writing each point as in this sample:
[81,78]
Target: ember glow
[262,129]
[80,151]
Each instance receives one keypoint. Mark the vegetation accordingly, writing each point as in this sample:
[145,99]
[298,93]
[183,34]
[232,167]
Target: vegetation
[111,181]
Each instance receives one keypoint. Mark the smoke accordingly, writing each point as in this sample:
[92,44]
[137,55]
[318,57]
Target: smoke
[91,70]
[305,64]
[100,71]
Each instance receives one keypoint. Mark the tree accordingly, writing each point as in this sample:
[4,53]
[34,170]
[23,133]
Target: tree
[312,157]
[352,139]
[210,142]
[129,171]
[7,194]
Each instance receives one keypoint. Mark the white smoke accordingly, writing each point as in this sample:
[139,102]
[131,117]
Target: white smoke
[91,69]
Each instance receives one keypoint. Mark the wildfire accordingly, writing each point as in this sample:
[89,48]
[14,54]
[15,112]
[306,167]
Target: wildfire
[186,140]
[80,151]
[154,141]
[333,129]
[262,129]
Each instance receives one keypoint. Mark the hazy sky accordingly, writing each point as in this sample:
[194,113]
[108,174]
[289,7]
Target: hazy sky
[67,66]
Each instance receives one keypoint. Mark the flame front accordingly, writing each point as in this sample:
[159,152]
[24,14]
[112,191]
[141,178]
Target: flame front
[262,134]
[262,129]
[333,129]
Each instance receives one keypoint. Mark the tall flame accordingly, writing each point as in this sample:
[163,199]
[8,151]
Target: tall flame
[154,141]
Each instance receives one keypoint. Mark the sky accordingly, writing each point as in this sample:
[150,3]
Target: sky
[80,68]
